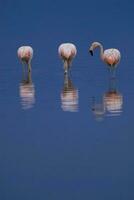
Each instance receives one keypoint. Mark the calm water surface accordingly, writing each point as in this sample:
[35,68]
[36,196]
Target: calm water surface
[66,137]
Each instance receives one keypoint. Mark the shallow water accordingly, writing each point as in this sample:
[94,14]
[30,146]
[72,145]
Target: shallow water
[66,137]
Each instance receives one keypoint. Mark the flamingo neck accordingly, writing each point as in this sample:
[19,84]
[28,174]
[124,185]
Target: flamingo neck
[101,50]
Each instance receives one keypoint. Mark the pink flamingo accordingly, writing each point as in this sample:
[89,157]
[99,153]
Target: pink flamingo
[67,51]
[25,54]
[110,56]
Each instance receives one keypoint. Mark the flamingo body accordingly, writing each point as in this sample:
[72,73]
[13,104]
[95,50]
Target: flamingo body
[111,57]
[25,53]
[67,52]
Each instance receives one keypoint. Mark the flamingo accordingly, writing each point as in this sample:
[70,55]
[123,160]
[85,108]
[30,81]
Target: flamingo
[110,56]
[67,52]
[25,54]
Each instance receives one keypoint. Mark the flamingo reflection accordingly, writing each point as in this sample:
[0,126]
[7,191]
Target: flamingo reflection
[113,99]
[98,109]
[111,103]
[69,96]
[27,91]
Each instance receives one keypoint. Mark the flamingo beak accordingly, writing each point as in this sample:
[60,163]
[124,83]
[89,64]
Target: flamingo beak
[91,52]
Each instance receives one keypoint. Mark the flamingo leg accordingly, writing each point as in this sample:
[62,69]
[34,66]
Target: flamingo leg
[29,67]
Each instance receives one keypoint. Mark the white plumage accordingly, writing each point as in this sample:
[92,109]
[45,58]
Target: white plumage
[67,52]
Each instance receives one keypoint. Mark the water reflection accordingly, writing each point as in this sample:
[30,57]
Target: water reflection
[69,96]
[113,99]
[110,104]
[27,91]
[98,108]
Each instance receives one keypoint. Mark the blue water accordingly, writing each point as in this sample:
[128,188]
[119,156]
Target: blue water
[66,137]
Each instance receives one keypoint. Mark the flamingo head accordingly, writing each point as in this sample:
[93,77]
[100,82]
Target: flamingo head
[93,46]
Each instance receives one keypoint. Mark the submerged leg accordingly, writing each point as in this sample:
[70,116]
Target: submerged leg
[66,66]
[23,70]
[112,72]
[29,67]
[112,84]
[66,79]
[29,78]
